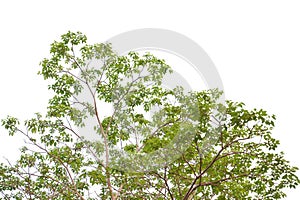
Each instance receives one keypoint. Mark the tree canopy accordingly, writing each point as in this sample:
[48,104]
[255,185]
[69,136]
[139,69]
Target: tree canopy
[190,146]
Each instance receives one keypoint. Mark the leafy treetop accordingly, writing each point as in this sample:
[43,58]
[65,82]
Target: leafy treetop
[58,163]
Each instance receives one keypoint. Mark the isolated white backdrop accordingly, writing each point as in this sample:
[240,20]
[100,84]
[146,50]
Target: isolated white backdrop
[255,46]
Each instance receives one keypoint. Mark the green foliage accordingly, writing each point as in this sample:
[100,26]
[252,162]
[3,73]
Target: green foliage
[57,163]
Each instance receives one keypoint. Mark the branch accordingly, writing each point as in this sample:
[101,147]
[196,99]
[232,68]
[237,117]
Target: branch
[211,164]
[166,184]
[57,158]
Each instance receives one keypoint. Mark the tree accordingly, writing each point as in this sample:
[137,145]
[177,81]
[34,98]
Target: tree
[228,153]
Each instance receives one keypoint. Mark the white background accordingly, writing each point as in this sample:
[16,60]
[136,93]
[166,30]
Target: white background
[254,44]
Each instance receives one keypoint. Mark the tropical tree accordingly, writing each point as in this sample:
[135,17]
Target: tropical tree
[190,146]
